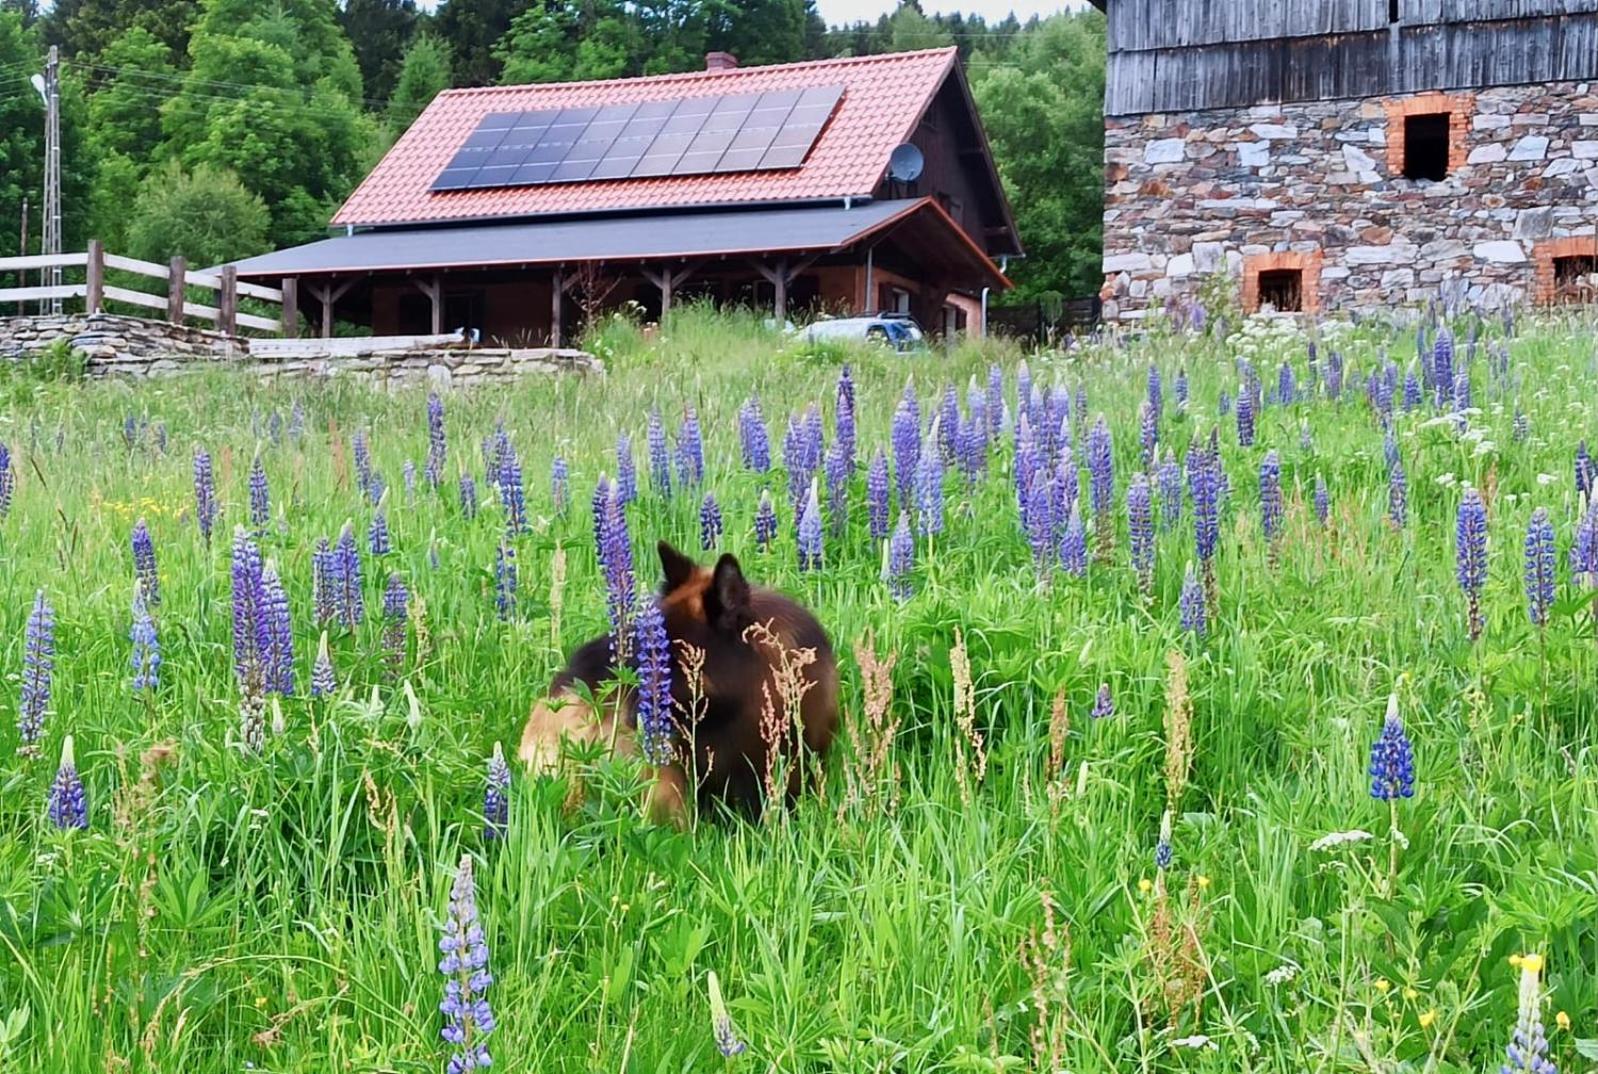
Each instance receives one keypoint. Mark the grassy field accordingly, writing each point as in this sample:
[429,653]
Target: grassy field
[981,894]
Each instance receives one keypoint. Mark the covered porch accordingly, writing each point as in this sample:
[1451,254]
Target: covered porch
[536,283]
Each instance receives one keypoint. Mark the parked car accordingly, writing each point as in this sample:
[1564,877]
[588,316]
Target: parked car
[896,330]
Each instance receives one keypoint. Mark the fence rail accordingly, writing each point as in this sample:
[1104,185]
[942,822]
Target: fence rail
[177,278]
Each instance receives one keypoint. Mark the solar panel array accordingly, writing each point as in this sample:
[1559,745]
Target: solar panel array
[744,132]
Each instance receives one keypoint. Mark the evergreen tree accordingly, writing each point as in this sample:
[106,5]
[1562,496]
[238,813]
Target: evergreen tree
[423,75]
[85,29]
[380,31]
[471,29]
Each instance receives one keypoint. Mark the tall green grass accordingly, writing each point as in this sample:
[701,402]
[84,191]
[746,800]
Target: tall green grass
[279,911]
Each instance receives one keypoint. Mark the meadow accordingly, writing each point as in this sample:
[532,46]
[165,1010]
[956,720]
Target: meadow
[1069,827]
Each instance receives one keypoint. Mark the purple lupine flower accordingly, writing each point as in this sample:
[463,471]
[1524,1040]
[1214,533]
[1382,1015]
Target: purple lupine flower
[437,442]
[38,669]
[377,488]
[1224,405]
[510,491]
[1057,418]
[1334,376]
[277,646]
[1520,428]
[559,485]
[204,494]
[1443,365]
[1168,476]
[877,495]
[396,605]
[1156,393]
[1195,619]
[1412,395]
[1027,461]
[351,598]
[468,1019]
[130,431]
[408,475]
[794,456]
[1149,429]
[1103,703]
[1271,501]
[1286,385]
[843,421]
[814,438]
[1066,489]
[1389,449]
[1392,767]
[324,582]
[1023,389]
[1461,391]
[752,432]
[69,802]
[1038,518]
[1584,472]
[1079,410]
[1527,1051]
[1140,527]
[690,451]
[1397,495]
[1584,552]
[996,403]
[274,427]
[144,563]
[1203,482]
[1470,552]
[837,475]
[616,561]
[323,682]
[363,461]
[906,437]
[659,459]
[1074,544]
[377,534]
[1245,417]
[468,496]
[1323,501]
[899,559]
[765,521]
[146,657]
[709,522]
[496,796]
[809,532]
[249,618]
[653,648]
[929,482]
[505,581]
[1101,483]
[8,480]
[626,470]
[1181,389]
[1037,412]
[948,425]
[1540,559]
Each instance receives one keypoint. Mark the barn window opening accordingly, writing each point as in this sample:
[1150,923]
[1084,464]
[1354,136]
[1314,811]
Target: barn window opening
[1426,146]
[1282,289]
[1575,275]
[1392,10]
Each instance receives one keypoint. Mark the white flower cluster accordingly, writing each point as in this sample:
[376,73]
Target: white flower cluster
[1333,840]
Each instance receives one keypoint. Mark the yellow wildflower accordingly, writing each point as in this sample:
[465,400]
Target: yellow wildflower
[1203,881]
[1562,1020]
[1145,885]
[1410,993]
[1427,1017]
[1531,963]
[1382,985]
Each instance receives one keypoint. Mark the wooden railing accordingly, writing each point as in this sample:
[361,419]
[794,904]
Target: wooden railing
[95,291]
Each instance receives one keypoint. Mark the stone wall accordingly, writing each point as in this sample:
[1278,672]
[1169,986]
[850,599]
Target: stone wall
[108,340]
[135,347]
[1188,195]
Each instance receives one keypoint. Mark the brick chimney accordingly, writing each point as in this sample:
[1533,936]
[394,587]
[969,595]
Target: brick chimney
[720,61]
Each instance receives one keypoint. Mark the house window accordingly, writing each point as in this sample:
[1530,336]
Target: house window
[1574,277]
[1426,146]
[1282,290]
[1392,10]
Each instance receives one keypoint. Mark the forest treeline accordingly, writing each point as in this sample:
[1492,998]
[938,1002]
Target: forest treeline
[221,128]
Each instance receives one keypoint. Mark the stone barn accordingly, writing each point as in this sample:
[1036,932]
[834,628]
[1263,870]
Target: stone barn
[1341,154]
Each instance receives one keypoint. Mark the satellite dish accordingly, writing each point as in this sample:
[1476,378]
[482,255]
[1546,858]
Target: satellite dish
[905,163]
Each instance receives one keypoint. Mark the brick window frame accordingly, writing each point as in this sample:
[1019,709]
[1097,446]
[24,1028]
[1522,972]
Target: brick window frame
[1459,107]
[1308,263]
[1544,256]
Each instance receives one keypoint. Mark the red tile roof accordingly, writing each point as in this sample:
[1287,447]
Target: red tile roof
[883,99]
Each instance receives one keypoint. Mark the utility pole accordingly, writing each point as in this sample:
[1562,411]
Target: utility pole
[22,251]
[52,169]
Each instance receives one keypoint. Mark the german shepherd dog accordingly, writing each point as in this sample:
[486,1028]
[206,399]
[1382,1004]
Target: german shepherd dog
[752,671]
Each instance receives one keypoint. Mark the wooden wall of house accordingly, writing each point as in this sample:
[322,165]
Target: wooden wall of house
[1190,55]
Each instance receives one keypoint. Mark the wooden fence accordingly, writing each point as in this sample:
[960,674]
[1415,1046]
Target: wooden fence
[95,291]
[1036,322]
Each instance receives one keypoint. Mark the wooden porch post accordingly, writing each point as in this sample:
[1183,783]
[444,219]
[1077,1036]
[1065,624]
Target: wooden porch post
[557,298]
[780,277]
[290,319]
[177,280]
[95,277]
[668,280]
[227,305]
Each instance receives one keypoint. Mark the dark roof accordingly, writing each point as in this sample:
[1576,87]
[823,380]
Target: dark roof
[657,236]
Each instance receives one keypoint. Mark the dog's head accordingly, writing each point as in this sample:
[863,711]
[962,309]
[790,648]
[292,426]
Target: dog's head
[704,606]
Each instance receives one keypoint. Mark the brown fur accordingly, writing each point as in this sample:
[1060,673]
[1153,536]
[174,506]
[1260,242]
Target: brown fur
[711,611]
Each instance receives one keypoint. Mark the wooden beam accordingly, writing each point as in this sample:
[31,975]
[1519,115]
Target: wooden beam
[94,297]
[668,279]
[557,295]
[434,290]
[176,282]
[227,302]
[289,319]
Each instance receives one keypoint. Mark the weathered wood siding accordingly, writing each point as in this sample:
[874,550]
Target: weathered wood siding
[1442,55]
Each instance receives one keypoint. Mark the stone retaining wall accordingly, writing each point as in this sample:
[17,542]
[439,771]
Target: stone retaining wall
[107,340]
[1192,194]
[445,369]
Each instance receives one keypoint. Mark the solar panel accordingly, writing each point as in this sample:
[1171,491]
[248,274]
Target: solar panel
[740,132]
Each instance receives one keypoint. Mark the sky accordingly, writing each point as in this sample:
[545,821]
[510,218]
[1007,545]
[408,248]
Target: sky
[842,12]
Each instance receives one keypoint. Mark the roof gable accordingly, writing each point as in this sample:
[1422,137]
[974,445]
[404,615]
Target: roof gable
[883,99]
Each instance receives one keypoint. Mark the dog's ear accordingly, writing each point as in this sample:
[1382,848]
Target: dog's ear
[675,567]
[727,599]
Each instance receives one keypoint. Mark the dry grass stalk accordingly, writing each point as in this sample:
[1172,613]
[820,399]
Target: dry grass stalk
[869,775]
[971,762]
[1059,732]
[557,593]
[1046,956]
[1176,953]
[1178,728]
[781,716]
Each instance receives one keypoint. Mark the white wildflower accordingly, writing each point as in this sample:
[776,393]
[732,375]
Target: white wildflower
[1486,447]
[1333,840]
[1447,480]
[1546,479]
[1282,974]
[1195,1042]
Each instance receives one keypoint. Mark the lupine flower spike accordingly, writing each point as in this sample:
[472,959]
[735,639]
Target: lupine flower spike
[323,682]
[709,522]
[146,646]
[1103,703]
[1271,505]
[1528,1044]
[38,667]
[654,685]
[496,796]
[765,521]
[69,803]
[1392,767]
[1194,618]
[899,559]
[1470,547]
[144,563]
[468,1019]
[1540,566]
[721,1027]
